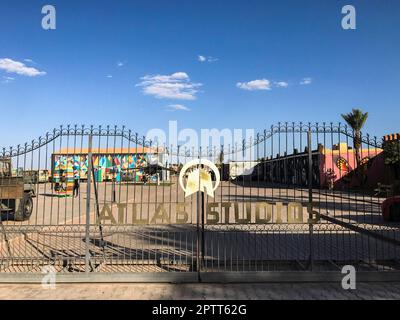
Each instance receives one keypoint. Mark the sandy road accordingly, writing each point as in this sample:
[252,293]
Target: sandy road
[155,291]
[49,209]
[58,224]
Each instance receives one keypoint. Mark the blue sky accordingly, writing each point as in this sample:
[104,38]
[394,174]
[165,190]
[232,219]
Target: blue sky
[132,62]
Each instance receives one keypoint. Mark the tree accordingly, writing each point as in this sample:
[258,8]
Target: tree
[391,151]
[356,120]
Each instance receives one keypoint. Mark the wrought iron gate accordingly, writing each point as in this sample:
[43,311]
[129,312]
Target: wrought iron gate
[296,202]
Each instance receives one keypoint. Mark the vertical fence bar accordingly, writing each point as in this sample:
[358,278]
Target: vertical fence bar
[198,235]
[2,180]
[310,197]
[87,230]
[203,244]
[3,230]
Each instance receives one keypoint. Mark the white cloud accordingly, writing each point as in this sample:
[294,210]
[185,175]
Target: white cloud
[29,61]
[109,76]
[281,84]
[262,84]
[17,67]
[120,64]
[306,81]
[175,86]
[212,59]
[202,58]
[176,107]
[7,79]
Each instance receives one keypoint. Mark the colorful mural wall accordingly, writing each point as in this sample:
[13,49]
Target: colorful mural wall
[106,168]
[63,176]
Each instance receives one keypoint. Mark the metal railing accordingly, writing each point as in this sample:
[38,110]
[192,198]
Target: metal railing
[301,202]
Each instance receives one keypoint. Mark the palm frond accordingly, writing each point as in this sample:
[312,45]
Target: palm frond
[355,119]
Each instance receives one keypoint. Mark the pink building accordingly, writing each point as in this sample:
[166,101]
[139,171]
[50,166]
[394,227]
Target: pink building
[339,166]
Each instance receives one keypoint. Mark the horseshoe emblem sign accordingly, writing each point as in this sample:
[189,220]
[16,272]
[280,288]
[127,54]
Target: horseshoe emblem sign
[199,179]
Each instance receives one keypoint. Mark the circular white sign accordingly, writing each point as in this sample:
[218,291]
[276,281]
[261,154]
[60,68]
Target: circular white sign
[197,162]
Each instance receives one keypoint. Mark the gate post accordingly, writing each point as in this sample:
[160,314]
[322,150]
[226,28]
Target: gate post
[202,264]
[198,235]
[88,185]
[310,198]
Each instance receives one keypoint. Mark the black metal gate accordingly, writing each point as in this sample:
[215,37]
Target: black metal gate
[296,202]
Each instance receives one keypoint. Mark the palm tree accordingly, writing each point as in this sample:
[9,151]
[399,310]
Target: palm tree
[356,120]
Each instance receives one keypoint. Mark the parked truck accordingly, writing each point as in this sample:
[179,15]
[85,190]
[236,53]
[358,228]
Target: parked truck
[16,194]
[36,176]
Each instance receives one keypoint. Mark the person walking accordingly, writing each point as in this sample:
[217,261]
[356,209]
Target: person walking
[76,183]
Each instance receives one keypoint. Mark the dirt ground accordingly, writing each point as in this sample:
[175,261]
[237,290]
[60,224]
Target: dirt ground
[56,229]
[255,291]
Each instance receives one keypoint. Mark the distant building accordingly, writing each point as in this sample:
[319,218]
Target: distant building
[391,137]
[333,167]
[241,168]
[120,164]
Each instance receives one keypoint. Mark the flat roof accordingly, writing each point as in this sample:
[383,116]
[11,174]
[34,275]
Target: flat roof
[110,150]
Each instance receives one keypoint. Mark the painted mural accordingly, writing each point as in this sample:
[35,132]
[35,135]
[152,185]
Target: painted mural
[63,176]
[106,167]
